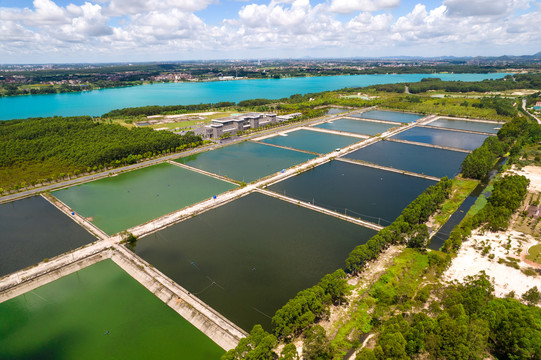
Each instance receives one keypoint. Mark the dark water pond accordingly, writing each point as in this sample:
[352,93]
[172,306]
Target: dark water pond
[371,194]
[248,257]
[32,229]
[419,159]
[453,139]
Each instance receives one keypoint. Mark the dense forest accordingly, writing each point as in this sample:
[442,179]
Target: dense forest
[45,149]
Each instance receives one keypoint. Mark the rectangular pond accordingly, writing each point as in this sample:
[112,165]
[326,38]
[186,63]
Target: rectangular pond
[389,116]
[480,126]
[99,312]
[246,161]
[448,138]
[356,126]
[32,229]
[120,202]
[371,194]
[247,258]
[419,159]
[313,141]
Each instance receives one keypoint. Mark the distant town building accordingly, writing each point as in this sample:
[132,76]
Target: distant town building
[235,123]
[537,106]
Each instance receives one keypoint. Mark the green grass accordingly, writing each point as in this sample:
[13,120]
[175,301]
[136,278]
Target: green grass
[460,191]
[180,124]
[534,254]
[480,202]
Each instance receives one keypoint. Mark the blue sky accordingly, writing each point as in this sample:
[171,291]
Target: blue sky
[40,31]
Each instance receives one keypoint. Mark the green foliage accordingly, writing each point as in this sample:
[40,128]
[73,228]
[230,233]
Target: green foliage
[41,148]
[404,227]
[316,345]
[168,109]
[532,296]
[478,163]
[289,352]
[256,346]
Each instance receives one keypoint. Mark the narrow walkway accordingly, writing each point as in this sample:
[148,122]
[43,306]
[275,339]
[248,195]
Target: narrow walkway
[457,130]
[79,219]
[428,145]
[438,117]
[216,176]
[287,148]
[321,210]
[338,132]
[373,120]
[386,168]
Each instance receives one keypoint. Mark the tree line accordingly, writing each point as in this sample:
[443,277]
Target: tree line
[312,304]
[44,149]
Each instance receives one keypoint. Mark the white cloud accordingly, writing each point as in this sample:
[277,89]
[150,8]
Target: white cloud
[155,30]
[349,6]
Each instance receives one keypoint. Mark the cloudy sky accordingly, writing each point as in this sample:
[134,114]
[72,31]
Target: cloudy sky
[42,31]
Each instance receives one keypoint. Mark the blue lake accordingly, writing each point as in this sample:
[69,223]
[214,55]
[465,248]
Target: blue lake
[448,138]
[419,159]
[98,102]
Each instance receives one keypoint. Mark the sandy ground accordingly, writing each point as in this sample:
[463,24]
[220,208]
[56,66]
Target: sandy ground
[531,172]
[503,245]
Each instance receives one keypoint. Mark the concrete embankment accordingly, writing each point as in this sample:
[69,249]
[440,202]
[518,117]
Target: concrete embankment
[399,171]
[338,132]
[458,130]
[222,331]
[322,210]
[372,120]
[43,273]
[429,145]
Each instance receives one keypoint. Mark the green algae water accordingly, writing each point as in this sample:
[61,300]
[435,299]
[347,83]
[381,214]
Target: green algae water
[480,126]
[247,258]
[32,229]
[374,195]
[448,138]
[313,141]
[414,158]
[356,126]
[120,202]
[246,161]
[389,116]
[99,312]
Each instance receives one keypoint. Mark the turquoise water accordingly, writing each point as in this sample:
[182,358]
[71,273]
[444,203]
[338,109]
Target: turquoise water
[99,312]
[374,195]
[356,126]
[419,159]
[389,116]
[313,141]
[32,229]
[129,199]
[246,161]
[247,258]
[98,102]
[490,128]
[453,139]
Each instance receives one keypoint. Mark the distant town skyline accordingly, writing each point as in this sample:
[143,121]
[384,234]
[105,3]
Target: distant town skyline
[61,31]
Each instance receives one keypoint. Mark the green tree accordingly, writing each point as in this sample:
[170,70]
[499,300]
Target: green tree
[316,345]
[532,296]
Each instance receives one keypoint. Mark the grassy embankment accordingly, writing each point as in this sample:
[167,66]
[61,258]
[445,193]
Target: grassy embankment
[460,191]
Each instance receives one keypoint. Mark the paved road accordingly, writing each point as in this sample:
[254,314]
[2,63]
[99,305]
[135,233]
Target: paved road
[529,113]
[87,178]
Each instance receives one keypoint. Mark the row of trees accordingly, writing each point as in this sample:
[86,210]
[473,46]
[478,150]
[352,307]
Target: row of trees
[167,109]
[510,82]
[312,304]
[506,197]
[36,149]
